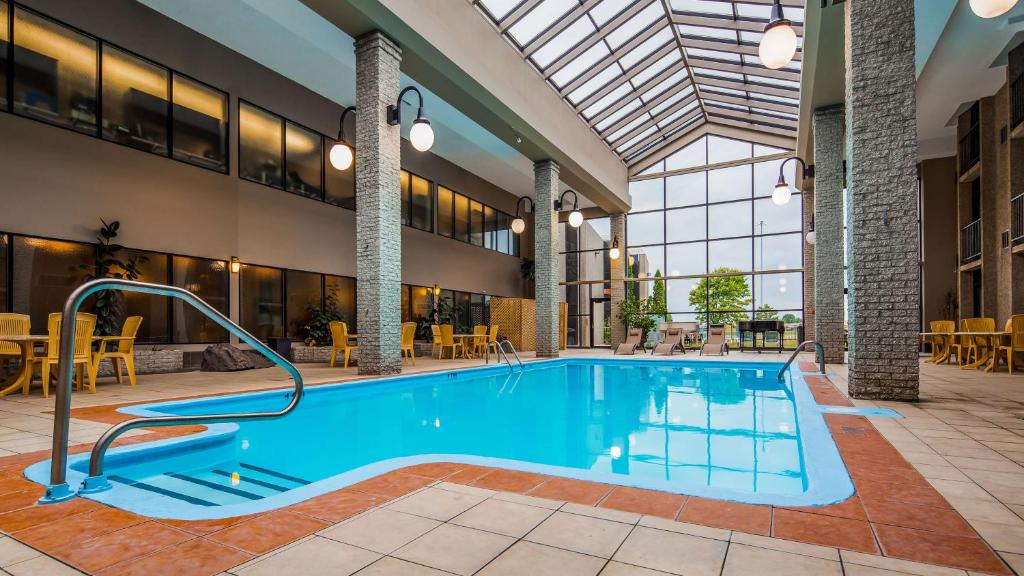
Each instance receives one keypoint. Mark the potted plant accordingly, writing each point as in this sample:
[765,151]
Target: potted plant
[636,313]
[108,305]
[318,329]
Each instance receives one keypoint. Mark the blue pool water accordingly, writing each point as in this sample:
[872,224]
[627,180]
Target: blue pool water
[725,430]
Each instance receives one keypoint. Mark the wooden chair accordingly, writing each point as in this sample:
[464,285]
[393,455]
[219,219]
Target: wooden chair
[633,336]
[339,341]
[1015,343]
[125,351]
[12,325]
[85,325]
[448,340]
[408,341]
[435,346]
[479,341]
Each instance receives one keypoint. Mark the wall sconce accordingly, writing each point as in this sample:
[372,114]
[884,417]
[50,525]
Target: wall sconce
[518,225]
[342,153]
[810,233]
[437,291]
[992,8]
[778,44]
[235,265]
[576,217]
[781,194]
[421,135]
[614,253]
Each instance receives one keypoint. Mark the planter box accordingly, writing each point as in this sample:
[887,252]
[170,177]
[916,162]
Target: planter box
[151,362]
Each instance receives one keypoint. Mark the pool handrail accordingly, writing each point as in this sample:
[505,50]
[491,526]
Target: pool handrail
[501,345]
[819,353]
[58,489]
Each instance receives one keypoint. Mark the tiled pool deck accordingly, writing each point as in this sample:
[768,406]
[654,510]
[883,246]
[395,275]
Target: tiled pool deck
[938,492]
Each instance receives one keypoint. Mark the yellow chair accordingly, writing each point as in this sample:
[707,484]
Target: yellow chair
[978,346]
[85,325]
[125,351]
[492,338]
[479,341]
[1015,326]
[435,331]
[13,325]
[448,340]
[941,345]
[408,341]
[339,341]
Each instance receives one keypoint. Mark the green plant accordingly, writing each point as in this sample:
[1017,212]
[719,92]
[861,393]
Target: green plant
[766,312]
[318,329]
[720,299]
[108,305]
[528,269]
[636,313]
[659,297]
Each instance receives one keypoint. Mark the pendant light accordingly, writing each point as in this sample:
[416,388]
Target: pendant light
[779,41]
[992,8]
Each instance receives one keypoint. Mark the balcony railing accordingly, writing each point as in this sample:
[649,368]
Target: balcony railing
[1017,215]
[1017,102]
[970,149]
[970,242]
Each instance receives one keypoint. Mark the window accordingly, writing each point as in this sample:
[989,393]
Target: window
[503,227]
[686,189]
[45,273]
[419,304]
[476,223]
[646,228]
[199,127]
[135,101]
[260,145]
[55,72]
[489,228]
[461,218]
[303,293]
[340,185]
[261,306]
[647,194]
[417,202]
[303,157]
[207,279]
[5,242]
[343,290]
[4,39]
[445,213]
[153,309]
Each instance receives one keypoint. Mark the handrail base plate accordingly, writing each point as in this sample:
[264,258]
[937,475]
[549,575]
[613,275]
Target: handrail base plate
[57,493]
[95,484]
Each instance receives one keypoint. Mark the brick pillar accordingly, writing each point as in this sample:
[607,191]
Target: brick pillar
[618,272]
[881,151]
[378,206]
[809,312]
[545,254]
[828,232]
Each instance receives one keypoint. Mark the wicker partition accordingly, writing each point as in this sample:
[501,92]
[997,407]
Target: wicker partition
[517,320]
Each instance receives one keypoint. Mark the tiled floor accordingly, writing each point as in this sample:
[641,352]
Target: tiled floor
[927,487]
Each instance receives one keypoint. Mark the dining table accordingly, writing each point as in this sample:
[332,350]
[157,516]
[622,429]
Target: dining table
[466,340]
[26,344]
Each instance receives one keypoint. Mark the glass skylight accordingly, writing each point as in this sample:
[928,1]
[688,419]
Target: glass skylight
[643,72]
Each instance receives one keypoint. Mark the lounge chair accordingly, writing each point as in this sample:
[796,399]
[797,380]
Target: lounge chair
[125,351]
[409,341]
[715,344]
[632,342]
[691,332]
[339,341]
[673,341]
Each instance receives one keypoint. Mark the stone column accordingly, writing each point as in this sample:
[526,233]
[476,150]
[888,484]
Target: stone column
[809,315]
[545,255]
[378,206]
[881,152]
[828,232]
[618,272]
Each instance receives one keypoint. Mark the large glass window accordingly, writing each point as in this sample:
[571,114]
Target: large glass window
[303,160]
[153,309]
[343,290]
[303,294]
[489,228]
[260,145]
[135,101]
[207,279]
[261,305]
[45,273]
[199,126]
[461,218]
[476,223]
[4,39]
[417,202]
[445,214]
[5,241]
[55,72]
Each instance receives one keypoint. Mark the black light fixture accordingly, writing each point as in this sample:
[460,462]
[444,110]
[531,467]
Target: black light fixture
[422,135]
[615,252]
[576,217]
[778,43]
[992,8]
[781,194]
[342,153]
[518,225]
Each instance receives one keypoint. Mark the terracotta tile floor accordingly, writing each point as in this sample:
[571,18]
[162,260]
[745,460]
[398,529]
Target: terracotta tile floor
[897,517]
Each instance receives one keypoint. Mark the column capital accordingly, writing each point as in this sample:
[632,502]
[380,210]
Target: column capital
[547,165]
[377,40]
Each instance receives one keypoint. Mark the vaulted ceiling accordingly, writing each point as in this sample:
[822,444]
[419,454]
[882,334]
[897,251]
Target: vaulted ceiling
[643,73]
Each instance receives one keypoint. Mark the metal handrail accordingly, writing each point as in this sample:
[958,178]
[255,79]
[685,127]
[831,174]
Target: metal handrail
[819,353]
[58,490]
[501,344]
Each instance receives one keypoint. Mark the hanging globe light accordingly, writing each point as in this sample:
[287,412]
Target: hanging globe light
[779,41]
[992,8]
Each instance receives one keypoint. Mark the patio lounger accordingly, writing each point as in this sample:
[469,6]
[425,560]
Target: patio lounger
[673,341]
[632,342]
[715,344]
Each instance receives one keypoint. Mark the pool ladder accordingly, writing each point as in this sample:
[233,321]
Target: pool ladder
[502,353]
[58,489]
[819,354]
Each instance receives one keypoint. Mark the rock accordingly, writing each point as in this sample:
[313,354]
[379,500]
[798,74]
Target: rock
[227,358]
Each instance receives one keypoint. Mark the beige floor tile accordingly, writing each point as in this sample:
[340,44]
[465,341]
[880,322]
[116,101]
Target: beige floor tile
[603,513]
[313,557]
[539,560]
[1015,561]
[454,549]
[672,552]
[13,552]
[529,500]
[388,566]
[823,552]
[956,489]
[858,570]
[41,566]
[1000,536]
[986,511]
[902,566]
[685,528]
[584,534]
[964,462]
[742,560]
[440,505]
[381,530]
[502,517]
[619,569]
[473,490]
[936,472]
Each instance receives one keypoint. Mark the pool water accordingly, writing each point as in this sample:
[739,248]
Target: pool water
[721,430]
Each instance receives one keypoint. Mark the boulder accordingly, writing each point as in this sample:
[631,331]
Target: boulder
[227,358]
